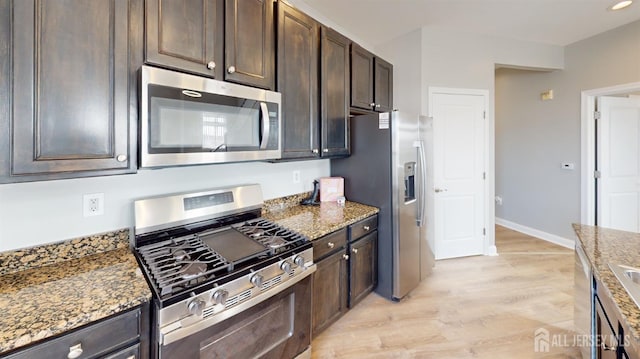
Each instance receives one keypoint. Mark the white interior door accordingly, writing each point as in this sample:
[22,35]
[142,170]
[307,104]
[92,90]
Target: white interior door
[618,156]
[459,166]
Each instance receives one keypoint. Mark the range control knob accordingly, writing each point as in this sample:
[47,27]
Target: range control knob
[256,280]
[196,307]
[299,261]
[220,297]
[286,267]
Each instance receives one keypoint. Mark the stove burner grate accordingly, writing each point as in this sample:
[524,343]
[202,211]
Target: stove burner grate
[176,263]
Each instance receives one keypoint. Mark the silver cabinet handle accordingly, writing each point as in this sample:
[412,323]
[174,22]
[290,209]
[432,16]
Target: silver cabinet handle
[438,190]
[211,65]
[345,256]
[373,104]
[330,245]
[608,348]
[315,150]
[354,250]
[366,228]
[231,69]
[75,351]
[121,158]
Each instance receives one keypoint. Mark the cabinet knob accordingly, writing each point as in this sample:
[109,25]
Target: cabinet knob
[231,69]
[378,106]
[366,228]
[325,150]
[373,104]
[345,256]
[354,250]
[315,150]
[75,351]
[121,158]
[330,245]
[211,65]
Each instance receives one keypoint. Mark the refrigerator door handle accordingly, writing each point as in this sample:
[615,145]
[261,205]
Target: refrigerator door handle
[422,182]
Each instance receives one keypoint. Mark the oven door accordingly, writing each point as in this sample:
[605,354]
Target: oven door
[187,119]
[279,327]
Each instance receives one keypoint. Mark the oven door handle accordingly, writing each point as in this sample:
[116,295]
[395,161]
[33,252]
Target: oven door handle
[175,331]
[265,124]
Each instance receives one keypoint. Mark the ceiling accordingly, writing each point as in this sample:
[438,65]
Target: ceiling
[555,22]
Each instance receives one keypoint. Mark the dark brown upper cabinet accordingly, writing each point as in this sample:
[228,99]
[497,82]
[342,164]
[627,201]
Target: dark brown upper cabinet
[371,81]
[334,93]
[298,82]
[249,43]
[383,85]
[198,35]
[68,88]
[186,35]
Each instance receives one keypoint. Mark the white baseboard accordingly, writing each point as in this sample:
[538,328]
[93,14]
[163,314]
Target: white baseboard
[561,241]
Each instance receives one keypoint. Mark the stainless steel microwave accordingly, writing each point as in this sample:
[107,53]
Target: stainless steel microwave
[190,120]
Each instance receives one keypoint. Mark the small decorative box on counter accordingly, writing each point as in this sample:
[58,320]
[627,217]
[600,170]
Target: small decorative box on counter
[331,188]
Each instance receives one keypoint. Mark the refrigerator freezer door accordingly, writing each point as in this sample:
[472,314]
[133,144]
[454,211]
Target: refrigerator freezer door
[406,233]
[427,259]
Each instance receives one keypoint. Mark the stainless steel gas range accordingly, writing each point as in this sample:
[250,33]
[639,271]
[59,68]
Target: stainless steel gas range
[226,283]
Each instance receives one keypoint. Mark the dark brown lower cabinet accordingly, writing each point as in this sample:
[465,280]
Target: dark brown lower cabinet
[330,290]
[362,267]
[346,271]
[606,343]
[123,336]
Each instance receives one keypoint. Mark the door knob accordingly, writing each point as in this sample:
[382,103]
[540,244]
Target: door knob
[438,190]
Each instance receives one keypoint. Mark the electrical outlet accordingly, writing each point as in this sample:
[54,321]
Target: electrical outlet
[296,176]
[93,204]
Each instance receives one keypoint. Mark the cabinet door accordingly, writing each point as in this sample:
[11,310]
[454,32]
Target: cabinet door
[361,78]
[606,343]
[73,97]
[363,269]
[186,35]
[334,93]
[298,82]
[329,291]
[383,80]
[249,43]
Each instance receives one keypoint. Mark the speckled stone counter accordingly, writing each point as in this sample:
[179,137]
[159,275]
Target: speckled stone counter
[42,297]
[603,246]
[315,221]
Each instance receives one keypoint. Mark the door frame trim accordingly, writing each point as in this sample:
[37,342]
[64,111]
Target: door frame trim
[587,146]
[489,244]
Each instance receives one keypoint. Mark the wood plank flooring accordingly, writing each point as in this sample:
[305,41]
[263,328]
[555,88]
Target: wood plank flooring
[474,307]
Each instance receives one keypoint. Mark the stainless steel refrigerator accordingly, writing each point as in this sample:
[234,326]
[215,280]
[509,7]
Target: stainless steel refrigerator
[387,169]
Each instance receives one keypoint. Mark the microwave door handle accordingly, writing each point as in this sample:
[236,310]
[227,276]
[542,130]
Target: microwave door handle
[266,126]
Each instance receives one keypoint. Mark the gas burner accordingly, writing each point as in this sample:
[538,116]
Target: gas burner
[192,270]
[179,254]
[275,242]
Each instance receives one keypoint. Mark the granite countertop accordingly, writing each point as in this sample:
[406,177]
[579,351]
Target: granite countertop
[41,297]
[315,221]
[603,246]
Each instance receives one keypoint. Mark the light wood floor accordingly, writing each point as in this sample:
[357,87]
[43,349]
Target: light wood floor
[474,307]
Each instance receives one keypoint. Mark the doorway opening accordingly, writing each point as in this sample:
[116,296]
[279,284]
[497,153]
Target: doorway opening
[589,176]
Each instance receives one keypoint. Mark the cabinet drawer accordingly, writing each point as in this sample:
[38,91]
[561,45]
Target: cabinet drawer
[329,243]
[94,340]
[132,352]
[363,227]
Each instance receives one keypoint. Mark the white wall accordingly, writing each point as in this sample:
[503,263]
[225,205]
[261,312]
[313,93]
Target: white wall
[438,57]
[41,212]
[534,137]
